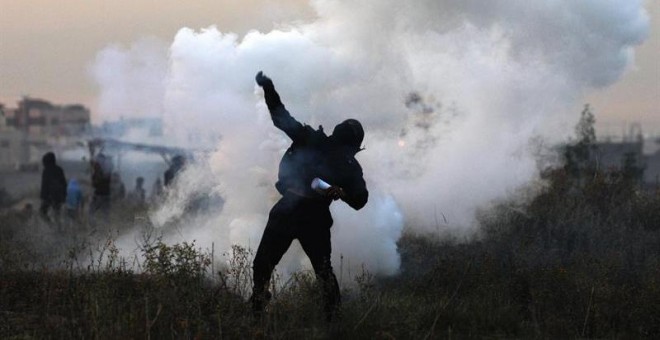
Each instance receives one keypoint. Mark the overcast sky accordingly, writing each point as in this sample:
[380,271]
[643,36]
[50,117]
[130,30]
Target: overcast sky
[47,46]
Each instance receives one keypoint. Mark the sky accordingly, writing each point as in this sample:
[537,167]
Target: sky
[47,47]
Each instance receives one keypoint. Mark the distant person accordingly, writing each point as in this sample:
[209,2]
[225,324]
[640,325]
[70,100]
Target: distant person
[74,200]
[177,165]
[156,190]
[117,187]
[101,178]
[303,211]
[53,187]
[138,194]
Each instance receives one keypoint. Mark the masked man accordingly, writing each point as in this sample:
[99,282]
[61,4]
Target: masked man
[303,213]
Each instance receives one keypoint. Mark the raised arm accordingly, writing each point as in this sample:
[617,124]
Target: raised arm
[281,117]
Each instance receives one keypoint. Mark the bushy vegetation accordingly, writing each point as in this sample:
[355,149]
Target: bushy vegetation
[578,258]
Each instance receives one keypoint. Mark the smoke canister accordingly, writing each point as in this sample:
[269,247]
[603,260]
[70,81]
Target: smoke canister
[320,185]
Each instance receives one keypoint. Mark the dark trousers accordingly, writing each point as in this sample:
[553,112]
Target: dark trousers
[309,221]
[100,205]
[46,205]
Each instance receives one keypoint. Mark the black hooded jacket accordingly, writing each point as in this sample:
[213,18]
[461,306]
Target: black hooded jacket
[314,154]
[53,182]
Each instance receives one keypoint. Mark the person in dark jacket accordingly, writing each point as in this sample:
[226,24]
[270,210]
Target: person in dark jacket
[303,213]
[101,182]
[53,186]
[177,165]
[117,187]
[138,195]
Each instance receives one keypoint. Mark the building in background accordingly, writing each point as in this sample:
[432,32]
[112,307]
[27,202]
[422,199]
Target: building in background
[39,117]
[636,150]
[652,173]
[36,126]
[13,146]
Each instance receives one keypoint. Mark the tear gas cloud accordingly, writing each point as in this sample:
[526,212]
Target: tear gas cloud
[450,94]
[132,82]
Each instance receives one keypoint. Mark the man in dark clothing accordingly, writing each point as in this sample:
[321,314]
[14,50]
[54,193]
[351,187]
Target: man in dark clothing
[101,181]
[303,213]
[177,165]
[117,187]
[138,195]
[53,186]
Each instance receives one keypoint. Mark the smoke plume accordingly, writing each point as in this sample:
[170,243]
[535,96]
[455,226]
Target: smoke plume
[450,94]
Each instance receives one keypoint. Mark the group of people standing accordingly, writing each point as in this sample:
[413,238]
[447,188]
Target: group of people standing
[108,188]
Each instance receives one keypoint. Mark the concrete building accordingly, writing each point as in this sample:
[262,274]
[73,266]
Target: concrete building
[12,144]
[612,155]
[36,126]
[38,117]
[652,173]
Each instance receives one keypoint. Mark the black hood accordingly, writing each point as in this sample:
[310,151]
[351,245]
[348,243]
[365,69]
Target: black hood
[349,133]
[48,159]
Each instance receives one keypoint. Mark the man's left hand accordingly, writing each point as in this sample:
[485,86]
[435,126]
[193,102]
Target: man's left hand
[335,193]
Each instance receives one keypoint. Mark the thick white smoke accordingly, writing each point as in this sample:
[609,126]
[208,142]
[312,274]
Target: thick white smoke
[131,81]
[450,94]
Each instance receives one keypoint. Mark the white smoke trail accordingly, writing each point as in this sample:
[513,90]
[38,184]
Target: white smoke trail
[450,94]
